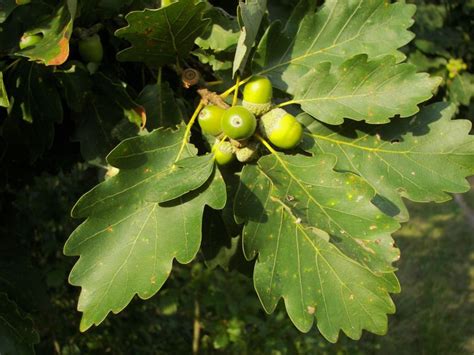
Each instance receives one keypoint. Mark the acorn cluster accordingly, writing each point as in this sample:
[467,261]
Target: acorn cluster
[239,124]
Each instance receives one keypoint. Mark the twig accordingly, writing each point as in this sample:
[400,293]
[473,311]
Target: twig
[196,327]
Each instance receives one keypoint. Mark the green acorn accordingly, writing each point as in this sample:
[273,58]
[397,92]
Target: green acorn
[223,153]
[238,123]
[258,94]
[281,128]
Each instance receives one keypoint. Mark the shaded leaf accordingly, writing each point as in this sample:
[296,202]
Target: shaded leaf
[76,83]
[359,89]
[338,31]
[127,244]
[53,49]
[35,107]
[250,16]
[164,35]
[321,244]
[421,159]
[160,105]
[6,8]
[108,117]
[17,334]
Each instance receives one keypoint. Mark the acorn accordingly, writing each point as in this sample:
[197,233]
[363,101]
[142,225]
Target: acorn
[223,153]
[258,93]
[281,128]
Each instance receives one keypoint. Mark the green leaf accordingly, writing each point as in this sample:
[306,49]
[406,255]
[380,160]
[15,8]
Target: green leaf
[4,102]
[164,35]
[321,244]
[420,158]
[161,107]
[222,34]
[338,31]
[461,90]
[17,334]
[359,89]
[128,242]
[250,16]
[53,49]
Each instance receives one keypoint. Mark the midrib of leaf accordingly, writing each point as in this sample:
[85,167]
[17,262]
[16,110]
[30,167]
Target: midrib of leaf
[110,283]
[377,149]
[311,198]
[171,31]
[307,193]
[334,45]
[340,145]
[99,121]
[319,254]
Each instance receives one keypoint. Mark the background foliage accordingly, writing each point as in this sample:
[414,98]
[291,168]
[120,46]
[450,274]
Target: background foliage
[48,161]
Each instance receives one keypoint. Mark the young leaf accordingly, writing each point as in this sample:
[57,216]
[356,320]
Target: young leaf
[53,49]
[4,102]
[128,242]
[222,34]
[321,244]
[420,158]
[164,35]
[359,89]
[338,31]
[250,16]
[18,335]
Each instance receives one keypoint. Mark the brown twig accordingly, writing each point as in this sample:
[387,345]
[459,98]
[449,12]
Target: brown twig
[208,96]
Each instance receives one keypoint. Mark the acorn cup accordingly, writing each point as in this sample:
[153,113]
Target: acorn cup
[248,153]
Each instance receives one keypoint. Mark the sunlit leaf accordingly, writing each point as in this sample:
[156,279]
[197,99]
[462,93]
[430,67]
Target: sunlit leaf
[322,245]
[339,30]
[358,89]
[129,240]
[423,158]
